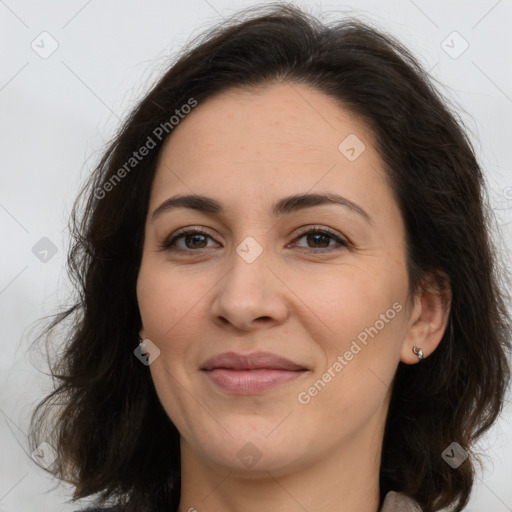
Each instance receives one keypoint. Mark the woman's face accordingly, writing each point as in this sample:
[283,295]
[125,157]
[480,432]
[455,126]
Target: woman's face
[331,302]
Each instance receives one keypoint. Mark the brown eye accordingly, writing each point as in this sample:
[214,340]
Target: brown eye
[319,240]
[193,239]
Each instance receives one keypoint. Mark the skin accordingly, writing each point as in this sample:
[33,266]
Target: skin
[247,148]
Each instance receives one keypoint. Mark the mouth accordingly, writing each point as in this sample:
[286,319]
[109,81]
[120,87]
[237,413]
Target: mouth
[250,374]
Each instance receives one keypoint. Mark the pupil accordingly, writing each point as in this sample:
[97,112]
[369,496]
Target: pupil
[194,237]
[321,236]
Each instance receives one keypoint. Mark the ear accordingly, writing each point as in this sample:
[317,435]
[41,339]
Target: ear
[141,334]
[429,317]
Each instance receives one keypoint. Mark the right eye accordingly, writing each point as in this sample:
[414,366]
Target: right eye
[193,237]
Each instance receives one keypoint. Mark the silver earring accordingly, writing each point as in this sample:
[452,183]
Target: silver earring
[418,352]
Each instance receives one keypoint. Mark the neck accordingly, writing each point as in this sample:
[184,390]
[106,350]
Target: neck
[344,480]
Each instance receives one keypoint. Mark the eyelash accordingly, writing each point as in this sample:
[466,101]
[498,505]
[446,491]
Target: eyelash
[168,243]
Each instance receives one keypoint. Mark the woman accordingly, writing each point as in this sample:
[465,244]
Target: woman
[288,293]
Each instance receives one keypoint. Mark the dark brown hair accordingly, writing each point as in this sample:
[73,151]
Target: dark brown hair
[112,436]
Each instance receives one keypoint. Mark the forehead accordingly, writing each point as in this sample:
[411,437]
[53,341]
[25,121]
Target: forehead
[281,136]
[290,119]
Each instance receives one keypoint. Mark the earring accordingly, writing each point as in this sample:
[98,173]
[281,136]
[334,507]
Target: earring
[418,352]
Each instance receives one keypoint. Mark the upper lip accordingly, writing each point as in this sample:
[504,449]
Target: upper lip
[254,361]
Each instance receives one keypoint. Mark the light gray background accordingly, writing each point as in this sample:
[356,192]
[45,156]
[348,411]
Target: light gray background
[57,112]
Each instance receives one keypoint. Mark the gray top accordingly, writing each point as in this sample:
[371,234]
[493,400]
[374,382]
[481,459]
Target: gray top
[398,502]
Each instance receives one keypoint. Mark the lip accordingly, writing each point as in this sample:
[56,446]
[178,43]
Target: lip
[247,374]
[254,361]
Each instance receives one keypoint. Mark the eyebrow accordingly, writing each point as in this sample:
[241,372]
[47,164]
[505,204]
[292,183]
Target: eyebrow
[283,206]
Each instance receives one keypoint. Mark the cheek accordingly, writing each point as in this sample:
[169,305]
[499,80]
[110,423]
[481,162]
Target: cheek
[170,306]
[163,312]
[361,314]
[355,383]
[165,299]
[350,299]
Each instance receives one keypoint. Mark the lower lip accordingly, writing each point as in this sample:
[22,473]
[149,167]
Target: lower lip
[249,382]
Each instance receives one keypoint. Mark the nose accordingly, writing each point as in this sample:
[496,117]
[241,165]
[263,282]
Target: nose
[251,295]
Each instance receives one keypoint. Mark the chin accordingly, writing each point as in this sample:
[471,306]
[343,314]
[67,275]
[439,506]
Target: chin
[253,462]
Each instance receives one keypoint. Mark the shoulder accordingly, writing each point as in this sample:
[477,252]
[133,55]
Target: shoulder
[398,502]
[97,509]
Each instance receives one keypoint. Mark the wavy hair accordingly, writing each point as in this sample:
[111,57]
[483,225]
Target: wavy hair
[112,437]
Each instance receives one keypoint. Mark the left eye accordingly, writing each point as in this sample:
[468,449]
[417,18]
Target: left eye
[322,237]
[198,238]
